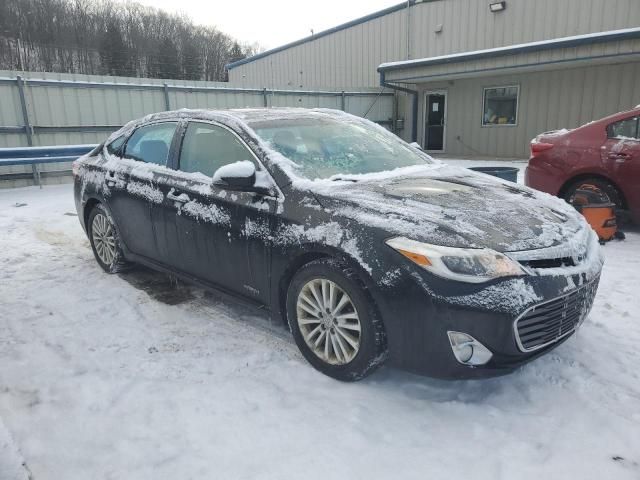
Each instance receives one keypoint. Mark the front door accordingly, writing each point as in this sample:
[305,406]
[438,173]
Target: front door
[215,235]
[435,119]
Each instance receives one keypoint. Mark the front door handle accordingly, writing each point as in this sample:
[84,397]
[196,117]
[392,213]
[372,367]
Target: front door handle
[175,196]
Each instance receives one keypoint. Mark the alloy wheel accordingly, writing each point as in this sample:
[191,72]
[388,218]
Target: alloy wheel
[328,321]
[104,239]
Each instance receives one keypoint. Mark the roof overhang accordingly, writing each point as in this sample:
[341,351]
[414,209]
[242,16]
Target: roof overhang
[594,48]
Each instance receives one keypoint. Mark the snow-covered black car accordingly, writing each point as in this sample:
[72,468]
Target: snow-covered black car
[368,248]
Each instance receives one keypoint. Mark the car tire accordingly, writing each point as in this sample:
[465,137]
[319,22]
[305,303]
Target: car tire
[334,322]
[604,186]
[105,241]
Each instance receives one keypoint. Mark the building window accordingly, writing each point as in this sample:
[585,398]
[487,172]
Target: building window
[500,105]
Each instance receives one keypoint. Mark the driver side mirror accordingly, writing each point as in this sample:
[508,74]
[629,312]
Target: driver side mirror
[239,176]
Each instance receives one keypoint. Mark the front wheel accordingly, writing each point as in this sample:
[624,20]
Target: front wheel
[105,241]
[333,321]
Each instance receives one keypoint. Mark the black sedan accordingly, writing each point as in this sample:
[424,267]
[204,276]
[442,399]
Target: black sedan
[365,246]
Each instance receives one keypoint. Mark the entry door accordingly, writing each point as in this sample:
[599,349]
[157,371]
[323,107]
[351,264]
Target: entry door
[435,119]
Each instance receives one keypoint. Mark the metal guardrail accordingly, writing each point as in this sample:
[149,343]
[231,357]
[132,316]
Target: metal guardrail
[38,155]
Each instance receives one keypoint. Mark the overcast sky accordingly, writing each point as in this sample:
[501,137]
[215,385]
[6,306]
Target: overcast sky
[271,22]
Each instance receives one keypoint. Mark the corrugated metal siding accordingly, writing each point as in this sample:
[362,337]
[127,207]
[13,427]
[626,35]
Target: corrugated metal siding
[345,59]
[349,58]
[548,100]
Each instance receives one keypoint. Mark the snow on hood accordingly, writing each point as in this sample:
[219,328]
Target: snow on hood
[452,206]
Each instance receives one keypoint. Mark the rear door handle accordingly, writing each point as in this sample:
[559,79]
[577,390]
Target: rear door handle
[175,196]
[619,156]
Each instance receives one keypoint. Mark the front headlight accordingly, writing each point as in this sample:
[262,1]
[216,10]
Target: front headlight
[473,265]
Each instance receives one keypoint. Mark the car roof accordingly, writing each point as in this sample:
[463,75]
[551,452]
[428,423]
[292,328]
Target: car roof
[618,115]
[249,115]
[274,113]
[231,117]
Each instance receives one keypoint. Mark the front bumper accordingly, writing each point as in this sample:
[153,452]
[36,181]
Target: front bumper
[420,309]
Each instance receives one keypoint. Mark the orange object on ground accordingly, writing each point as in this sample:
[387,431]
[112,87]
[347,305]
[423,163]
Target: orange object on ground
[602,219]
[598,210]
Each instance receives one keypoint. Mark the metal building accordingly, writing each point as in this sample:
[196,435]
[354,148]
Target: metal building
[474,77]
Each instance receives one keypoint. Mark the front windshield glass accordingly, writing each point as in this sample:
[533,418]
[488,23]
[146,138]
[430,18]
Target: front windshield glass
[326,147]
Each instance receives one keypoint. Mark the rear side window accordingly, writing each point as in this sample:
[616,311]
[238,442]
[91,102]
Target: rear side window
[151,143]
[627,128]
[208,147]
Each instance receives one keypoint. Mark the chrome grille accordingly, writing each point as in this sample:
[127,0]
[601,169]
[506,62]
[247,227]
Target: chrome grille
[548,322]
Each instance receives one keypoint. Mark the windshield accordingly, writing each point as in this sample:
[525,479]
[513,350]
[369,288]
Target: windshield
[326,147]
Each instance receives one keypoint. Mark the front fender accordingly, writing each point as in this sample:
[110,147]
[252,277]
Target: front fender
[286,263]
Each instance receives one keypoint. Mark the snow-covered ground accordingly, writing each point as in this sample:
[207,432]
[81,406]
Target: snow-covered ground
[129,377]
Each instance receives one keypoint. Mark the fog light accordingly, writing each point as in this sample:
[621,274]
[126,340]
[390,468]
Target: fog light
[468,350]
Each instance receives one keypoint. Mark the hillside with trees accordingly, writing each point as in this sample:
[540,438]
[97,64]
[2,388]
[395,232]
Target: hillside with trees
[108,38]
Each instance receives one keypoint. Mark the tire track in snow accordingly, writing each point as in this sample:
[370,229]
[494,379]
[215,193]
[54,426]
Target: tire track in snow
[12,464]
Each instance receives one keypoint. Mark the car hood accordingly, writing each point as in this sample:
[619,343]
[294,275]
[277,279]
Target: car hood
[454,207]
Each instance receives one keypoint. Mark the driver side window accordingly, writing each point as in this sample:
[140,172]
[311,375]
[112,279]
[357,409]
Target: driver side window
[208,147]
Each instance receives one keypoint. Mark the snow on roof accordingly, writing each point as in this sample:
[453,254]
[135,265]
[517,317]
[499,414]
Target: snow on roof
[563,42]
[230,116]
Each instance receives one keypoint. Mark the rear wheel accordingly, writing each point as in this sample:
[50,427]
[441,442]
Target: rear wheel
[333,321]
[599,184]
[105,241]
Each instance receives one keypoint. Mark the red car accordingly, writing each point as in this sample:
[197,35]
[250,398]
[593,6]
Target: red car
[604,154]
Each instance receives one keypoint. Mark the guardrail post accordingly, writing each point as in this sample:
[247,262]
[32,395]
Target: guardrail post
[265,100]
[167,103]
[343,102]
[27,126]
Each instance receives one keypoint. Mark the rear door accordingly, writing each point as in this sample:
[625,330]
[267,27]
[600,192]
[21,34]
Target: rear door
[216,235]
[134,188]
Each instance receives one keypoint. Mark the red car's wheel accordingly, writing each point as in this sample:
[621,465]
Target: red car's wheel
[598,184]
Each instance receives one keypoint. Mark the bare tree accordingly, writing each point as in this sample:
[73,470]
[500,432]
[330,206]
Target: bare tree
[105,37]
